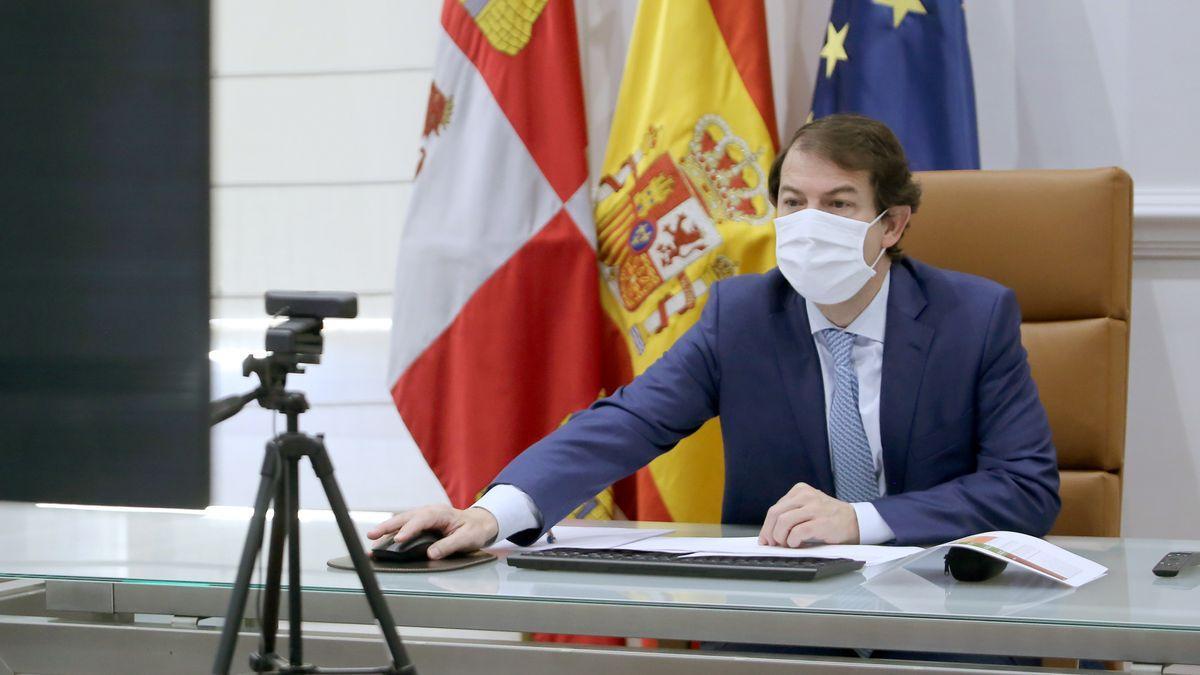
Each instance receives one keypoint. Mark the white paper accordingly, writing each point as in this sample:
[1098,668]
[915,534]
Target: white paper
[567,536]
[1033,554]
[923,587]
[749,546]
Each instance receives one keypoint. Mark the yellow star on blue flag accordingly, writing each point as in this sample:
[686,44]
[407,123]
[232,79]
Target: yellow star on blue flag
[905,63]
[901,8]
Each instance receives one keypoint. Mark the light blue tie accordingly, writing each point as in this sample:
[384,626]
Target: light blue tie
[853,465]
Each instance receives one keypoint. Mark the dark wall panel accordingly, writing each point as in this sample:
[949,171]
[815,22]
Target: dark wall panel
[104,251]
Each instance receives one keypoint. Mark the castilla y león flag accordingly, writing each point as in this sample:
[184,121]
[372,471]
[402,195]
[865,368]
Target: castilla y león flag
[683,203]
[497,327]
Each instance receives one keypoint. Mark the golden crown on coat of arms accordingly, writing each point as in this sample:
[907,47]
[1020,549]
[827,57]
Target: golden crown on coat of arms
[726,173]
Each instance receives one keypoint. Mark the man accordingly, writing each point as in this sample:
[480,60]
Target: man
[864,397]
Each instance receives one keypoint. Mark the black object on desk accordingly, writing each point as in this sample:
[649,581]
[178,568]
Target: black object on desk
[412,556]
[457,561]
[623,561]
[967,565]
[1173,562]
[407,551]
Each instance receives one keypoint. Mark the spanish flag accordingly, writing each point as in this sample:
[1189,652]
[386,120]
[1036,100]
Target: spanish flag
[682,203]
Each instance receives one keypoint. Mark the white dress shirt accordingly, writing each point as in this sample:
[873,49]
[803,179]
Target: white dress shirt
[867,354]
[515,511]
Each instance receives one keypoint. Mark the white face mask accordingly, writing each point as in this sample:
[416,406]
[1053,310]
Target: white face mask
[821,254]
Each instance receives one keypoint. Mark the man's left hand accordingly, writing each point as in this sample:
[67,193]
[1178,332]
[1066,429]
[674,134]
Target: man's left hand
[805,515]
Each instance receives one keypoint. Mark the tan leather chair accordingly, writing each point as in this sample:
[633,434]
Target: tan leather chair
[1061,240]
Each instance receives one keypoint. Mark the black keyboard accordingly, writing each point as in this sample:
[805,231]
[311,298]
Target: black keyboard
[773,568]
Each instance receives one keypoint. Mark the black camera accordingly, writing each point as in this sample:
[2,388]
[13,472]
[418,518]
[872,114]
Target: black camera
[300,334]
[295,341]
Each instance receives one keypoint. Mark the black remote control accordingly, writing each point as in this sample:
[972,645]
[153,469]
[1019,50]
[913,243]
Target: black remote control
[1172,562]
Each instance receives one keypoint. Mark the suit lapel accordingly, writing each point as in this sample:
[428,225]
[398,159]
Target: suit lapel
[905,351]
[800,368]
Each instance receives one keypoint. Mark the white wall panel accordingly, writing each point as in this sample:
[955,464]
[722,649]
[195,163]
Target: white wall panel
[375,461]
[1070,112]
[378,465]
[1164,93]
[317,36]
[990,32]
[1162,453]
[314,129]
[341,237]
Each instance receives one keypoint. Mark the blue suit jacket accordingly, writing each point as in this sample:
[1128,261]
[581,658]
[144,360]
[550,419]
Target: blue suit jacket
[966,443]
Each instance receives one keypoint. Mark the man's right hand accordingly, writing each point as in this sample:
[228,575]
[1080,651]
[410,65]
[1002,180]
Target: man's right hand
[463,530]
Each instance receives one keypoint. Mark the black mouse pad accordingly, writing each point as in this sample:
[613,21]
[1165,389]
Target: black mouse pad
[457,562]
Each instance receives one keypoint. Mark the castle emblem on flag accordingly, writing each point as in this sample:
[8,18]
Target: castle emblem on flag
[657,215]
[507,24]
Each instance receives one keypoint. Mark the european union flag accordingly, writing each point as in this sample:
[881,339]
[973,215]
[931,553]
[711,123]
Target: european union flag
[905,63]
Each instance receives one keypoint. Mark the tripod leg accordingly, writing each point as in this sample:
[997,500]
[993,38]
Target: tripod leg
[295,615]
[324,470]
[241,586]
[270,608]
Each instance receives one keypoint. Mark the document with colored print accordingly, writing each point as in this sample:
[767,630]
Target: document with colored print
[1033,554]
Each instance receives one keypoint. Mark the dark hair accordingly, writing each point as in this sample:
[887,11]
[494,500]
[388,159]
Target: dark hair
[857,143]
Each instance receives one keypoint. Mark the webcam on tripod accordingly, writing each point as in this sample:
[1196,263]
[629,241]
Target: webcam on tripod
[306,312]
[292,343]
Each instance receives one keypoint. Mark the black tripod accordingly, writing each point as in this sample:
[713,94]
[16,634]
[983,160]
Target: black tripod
[280,483]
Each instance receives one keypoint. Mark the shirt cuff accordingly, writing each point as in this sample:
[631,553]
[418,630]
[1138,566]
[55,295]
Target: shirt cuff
[872,528]
[513,509]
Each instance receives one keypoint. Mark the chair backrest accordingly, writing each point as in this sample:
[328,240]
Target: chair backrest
[1062,241]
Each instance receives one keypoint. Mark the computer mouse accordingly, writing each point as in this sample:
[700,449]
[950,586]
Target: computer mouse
[967,565]
[408,551]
